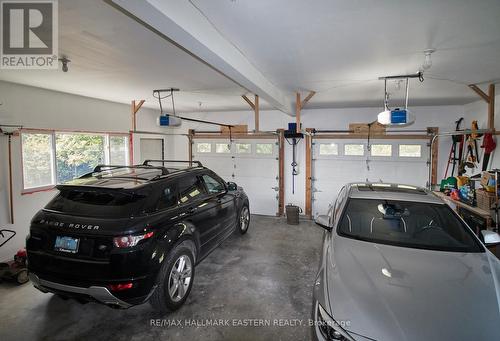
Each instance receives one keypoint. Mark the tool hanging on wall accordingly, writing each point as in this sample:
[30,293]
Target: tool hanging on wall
[293,138]
[10,130]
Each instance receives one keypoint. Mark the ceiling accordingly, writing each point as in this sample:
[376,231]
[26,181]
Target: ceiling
[337,48]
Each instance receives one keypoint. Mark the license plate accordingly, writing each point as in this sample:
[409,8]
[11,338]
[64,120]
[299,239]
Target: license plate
[66,244]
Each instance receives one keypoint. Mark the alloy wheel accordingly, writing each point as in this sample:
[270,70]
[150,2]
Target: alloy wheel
[180,278]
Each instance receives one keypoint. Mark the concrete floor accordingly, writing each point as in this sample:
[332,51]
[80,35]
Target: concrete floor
[266,275]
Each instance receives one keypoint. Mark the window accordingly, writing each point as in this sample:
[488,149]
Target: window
[410,150]
[103,204]
[222,148]
[328,149]
[381,150]
[168,197]
[118,150]
[190,188]
[243,148]
[78,154]
[213,186]
[407,224]
[204,147]
[354,149]
[56,157]
[38,163]
[264,148]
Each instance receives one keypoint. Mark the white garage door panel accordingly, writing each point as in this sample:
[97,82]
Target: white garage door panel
[331,172]
[256,173]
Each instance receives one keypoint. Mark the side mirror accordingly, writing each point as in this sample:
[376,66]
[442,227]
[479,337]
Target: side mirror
[232,186]
[324,222]
[490,237]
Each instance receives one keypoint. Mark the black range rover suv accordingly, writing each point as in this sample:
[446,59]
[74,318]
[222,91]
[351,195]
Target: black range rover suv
[125,235]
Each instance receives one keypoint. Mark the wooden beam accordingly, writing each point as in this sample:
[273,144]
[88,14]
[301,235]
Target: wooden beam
[233,135]
[372,136]
[257,113]
[491,107]
[249,102]
[298,108]
[480,92]
[434,152]
[308,142]
[135,108]
[281,174]
[309,96]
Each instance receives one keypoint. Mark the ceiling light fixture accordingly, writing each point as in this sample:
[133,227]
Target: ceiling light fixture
[64,62]
[427,59]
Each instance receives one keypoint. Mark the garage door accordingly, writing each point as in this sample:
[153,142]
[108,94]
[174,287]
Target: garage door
[337,162]
[252,164]
[151,149]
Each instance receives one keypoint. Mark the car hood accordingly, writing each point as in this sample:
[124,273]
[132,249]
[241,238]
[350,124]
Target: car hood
[396,293]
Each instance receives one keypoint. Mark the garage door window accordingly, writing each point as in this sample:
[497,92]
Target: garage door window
[410,150]
[328,149]
[381,150]
[354,150]
[204,147]
[243,148]
[222,148]
[38,164]
[264,148]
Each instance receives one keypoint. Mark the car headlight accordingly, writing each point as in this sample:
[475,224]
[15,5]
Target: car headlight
[330,329]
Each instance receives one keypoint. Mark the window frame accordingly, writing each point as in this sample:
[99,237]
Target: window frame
[53,133]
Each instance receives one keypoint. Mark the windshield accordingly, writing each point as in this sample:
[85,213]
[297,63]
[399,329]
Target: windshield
[99,203]
[408,224]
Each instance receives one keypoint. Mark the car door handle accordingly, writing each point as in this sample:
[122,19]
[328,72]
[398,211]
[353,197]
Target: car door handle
[219,200]
[191,210]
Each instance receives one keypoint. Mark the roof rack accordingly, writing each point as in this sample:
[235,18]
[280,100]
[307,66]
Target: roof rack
[100,168]
[147,162]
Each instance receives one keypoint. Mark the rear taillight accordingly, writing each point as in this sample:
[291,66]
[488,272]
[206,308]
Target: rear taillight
[120,286]
[131,240]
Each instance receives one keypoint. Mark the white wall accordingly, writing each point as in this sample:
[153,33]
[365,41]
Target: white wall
[442,117]
[38,108]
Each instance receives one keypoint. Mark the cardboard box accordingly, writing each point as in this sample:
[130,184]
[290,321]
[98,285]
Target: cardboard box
[488,181]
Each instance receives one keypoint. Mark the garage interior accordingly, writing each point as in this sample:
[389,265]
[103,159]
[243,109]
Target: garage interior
[282,98]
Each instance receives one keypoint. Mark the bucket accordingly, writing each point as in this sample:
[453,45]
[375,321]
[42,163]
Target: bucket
[292,214]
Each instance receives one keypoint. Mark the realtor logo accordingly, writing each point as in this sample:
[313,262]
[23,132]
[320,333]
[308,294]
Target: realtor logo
[29,37]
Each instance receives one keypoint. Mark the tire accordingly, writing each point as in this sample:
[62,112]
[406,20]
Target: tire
[22,277]
[244,219]
[176,279]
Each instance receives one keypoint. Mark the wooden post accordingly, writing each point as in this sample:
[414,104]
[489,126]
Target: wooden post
[308,142]
[490,99]
[434,152]
[256,112]
[135,108]
[255,108]
[298,108]
[281,175]
[491,107]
